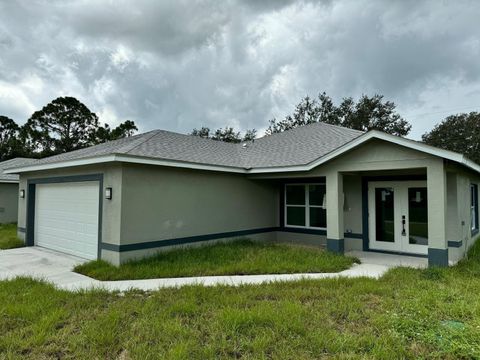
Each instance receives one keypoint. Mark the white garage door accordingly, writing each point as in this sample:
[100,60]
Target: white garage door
[66,217]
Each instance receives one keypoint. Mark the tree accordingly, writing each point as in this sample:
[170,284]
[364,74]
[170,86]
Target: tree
[250,135]
[105,133]
[10,139]
[65,125]
[459,133]
[204,132]
[228,134]
[368,113]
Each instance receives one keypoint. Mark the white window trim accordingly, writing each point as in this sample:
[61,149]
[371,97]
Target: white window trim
[307,206]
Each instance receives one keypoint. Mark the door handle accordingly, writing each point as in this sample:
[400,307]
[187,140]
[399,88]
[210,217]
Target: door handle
[404,233]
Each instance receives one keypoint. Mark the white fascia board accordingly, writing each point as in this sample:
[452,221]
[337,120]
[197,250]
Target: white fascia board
[122,158]
[9,181]
[59,165]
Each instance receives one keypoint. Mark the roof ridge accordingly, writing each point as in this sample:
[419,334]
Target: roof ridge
[141,141]
[341,127]
[316,123]
[201,137]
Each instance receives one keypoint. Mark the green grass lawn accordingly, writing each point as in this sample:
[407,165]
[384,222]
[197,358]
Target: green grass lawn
[8,237]
[234,258]
[426,314]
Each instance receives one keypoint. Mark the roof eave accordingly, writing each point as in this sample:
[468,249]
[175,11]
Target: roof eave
[123,158]
[373,134]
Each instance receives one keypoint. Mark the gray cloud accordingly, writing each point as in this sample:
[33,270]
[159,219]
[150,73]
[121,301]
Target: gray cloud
[183,64]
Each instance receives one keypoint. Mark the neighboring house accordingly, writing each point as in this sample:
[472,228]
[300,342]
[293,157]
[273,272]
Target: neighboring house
[9,190]
[316,184]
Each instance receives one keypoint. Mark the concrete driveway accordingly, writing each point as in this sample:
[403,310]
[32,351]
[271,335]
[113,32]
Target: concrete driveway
[56,268]
[40,263]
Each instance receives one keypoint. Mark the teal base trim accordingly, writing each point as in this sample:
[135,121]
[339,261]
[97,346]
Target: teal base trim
[353,236]
[318,232]
[183,240]
[437,257]
[304,231]
[336,245]
[397,253]
[455,244]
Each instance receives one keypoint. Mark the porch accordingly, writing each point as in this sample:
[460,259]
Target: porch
[397,215]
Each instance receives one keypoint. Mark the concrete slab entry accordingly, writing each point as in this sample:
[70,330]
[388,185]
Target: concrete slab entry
[389,260]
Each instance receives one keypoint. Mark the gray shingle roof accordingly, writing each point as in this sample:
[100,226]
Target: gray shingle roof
[12,163]
[299,146]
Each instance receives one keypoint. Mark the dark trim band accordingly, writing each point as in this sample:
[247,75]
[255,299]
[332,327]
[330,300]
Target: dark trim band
[21,229]
[303,230]
[64,179]
[437,257]
[398,253]
[200,238]
[352,235]
[336,245]
[455,244]
[183,240]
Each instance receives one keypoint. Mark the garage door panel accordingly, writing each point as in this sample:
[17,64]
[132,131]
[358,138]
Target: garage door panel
[66,218]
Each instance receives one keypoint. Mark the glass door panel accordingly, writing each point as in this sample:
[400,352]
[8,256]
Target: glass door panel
[418,216]
[384,215]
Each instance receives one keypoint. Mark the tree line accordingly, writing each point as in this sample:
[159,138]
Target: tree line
[63,125]
[458,132]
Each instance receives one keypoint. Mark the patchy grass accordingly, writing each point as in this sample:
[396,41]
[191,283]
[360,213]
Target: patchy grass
[233,258]
[8,237]
[407,314]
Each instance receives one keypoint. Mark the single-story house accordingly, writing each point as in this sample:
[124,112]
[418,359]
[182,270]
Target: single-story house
[317,184]
[9,190]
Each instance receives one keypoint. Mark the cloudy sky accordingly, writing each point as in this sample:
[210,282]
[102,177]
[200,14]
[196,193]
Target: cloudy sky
[177,65]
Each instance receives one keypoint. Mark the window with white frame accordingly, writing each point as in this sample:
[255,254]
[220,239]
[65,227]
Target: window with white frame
[474,206]
[305,205]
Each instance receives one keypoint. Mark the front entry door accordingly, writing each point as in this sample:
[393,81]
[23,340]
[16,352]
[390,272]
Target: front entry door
[398,216]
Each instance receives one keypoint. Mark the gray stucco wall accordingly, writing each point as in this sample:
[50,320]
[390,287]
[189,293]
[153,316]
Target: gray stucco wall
[459,224]
[8,203]
[160,203]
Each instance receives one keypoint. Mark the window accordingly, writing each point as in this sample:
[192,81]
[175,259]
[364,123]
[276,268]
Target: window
[474,206]
[305,205]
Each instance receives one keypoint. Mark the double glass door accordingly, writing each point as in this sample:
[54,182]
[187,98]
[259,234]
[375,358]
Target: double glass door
[398,216]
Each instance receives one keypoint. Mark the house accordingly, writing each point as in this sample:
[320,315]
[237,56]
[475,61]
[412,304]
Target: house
[318,184]
[9,190]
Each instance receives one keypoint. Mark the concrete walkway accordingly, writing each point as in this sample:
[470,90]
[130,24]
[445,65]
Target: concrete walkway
[57,268]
